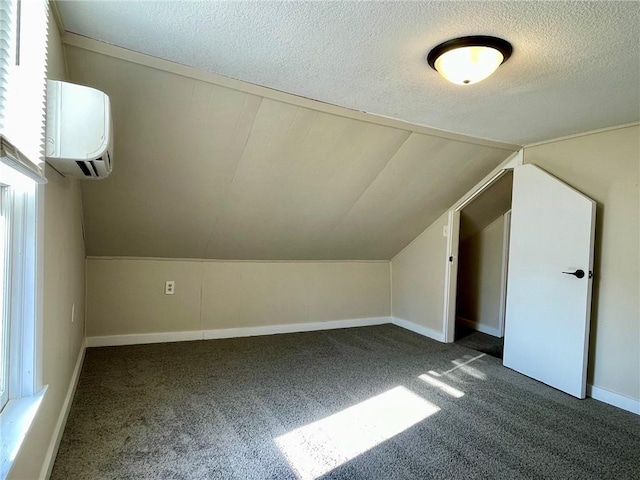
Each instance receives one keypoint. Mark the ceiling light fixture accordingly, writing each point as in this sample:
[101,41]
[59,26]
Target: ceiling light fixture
[468,60]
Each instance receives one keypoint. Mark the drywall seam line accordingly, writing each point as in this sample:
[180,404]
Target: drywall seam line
[357,200]
[235,170]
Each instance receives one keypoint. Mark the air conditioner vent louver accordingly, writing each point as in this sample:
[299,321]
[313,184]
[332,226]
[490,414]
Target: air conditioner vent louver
[84,169]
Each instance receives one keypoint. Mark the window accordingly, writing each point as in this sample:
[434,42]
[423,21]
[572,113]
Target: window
[17,349]
[19,383]
[23,44]
[23,47]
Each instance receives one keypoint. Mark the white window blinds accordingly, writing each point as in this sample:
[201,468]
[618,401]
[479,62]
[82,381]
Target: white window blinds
[8,26]
[23,70]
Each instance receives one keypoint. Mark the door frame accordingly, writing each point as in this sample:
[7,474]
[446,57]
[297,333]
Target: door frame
[453,243]
[505,268]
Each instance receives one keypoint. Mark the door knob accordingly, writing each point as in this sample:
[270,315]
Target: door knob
[577,273]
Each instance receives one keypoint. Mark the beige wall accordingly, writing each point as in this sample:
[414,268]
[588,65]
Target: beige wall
[605,166]
[126,296]
[418,279]
[479,289]
[64,266]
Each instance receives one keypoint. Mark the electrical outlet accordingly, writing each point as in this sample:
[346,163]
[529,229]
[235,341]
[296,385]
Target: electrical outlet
[169,287]
[73,312]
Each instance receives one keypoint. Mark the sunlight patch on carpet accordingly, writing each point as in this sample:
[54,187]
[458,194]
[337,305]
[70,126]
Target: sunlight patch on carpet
[463,365]
[448,389]
[319,447]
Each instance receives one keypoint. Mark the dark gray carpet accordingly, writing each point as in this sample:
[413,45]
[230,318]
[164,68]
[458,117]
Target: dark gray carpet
[213,409]
[479,341]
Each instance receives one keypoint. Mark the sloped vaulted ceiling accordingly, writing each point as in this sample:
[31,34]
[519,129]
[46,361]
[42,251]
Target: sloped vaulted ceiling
[207,171]
[209,167]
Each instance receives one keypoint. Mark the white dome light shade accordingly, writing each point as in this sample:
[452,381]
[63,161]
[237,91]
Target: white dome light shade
[468,60]
[468,65]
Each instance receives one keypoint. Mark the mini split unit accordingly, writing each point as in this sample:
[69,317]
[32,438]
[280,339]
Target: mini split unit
[79,131]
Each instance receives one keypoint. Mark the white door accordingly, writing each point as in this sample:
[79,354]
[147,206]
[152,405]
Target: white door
[549,282]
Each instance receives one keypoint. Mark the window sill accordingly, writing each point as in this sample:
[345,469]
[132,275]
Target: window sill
[15,420]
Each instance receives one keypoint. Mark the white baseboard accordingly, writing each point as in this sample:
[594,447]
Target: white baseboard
[293,328]
[629,404]
[142,338]
[54,444]
[164,337]
[480,327]
[421,329]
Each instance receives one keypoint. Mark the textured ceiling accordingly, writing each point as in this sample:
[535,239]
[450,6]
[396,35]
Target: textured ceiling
[204,171]
[575,67]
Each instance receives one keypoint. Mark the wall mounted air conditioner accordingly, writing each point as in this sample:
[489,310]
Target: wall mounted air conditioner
[79,131]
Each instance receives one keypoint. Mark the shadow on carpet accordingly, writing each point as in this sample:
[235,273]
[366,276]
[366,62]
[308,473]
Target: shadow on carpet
[479,341]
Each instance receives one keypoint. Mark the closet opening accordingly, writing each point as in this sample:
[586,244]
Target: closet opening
[482,268]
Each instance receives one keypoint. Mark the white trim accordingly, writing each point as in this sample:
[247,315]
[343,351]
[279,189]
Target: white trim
[54,444]
[163,337]
[222,260]
[420,329]
[14,158]
[515,160]
[142,338]
[506,238]
[293,328]
[16,420]
[453,242]
[103,48]
[451,276]
[480,327]
[617,400]
[510,163]
[39,286]
[391,288]
[583,134]
[55,11]
[22,295]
